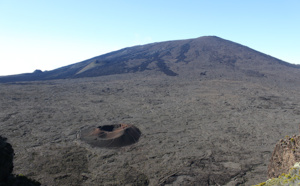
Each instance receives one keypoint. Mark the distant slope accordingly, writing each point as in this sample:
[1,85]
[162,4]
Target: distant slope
[210,56]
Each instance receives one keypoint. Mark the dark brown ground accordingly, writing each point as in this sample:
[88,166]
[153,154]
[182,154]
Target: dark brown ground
[204,131]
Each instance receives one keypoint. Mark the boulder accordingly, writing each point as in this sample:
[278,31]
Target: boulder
[6,159]
[286,153]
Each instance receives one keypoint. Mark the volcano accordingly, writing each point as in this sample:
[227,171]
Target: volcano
[208,56]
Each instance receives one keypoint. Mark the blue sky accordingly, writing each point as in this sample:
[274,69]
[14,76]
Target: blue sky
[47,34]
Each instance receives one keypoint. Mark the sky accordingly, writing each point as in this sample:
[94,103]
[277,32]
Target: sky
[48,34]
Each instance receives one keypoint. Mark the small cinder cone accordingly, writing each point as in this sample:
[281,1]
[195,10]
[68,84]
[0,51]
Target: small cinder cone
[118,135]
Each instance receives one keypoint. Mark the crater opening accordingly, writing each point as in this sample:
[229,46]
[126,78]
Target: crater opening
[108,128]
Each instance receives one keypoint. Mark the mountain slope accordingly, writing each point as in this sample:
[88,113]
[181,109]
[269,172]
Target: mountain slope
[208,55]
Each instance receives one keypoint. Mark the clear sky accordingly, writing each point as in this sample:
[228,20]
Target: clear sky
[47,34]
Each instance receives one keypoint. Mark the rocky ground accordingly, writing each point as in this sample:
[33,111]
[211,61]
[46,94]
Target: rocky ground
[204,131]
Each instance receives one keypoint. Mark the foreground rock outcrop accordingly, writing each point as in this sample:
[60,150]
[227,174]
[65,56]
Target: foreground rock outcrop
[6,167]
[284,166]
[6,159]
[286,153]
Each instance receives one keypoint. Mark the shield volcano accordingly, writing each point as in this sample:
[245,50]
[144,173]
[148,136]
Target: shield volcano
[110,136]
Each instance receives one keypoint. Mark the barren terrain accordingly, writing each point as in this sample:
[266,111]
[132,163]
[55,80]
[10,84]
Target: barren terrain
[210,112]
[209,131]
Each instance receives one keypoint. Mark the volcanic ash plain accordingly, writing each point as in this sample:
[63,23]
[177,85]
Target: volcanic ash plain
[194,131]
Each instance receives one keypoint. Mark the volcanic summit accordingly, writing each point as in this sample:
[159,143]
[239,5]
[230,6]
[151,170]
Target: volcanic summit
[209,55]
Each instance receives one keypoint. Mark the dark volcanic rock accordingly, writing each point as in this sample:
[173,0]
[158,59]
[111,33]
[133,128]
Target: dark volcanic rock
[6,159]
[194,131]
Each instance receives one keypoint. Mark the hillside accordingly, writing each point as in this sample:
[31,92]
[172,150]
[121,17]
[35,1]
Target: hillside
[210,56]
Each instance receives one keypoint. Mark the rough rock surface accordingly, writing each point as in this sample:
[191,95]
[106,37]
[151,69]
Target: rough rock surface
[204,132]
[286,153]
[6,159]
